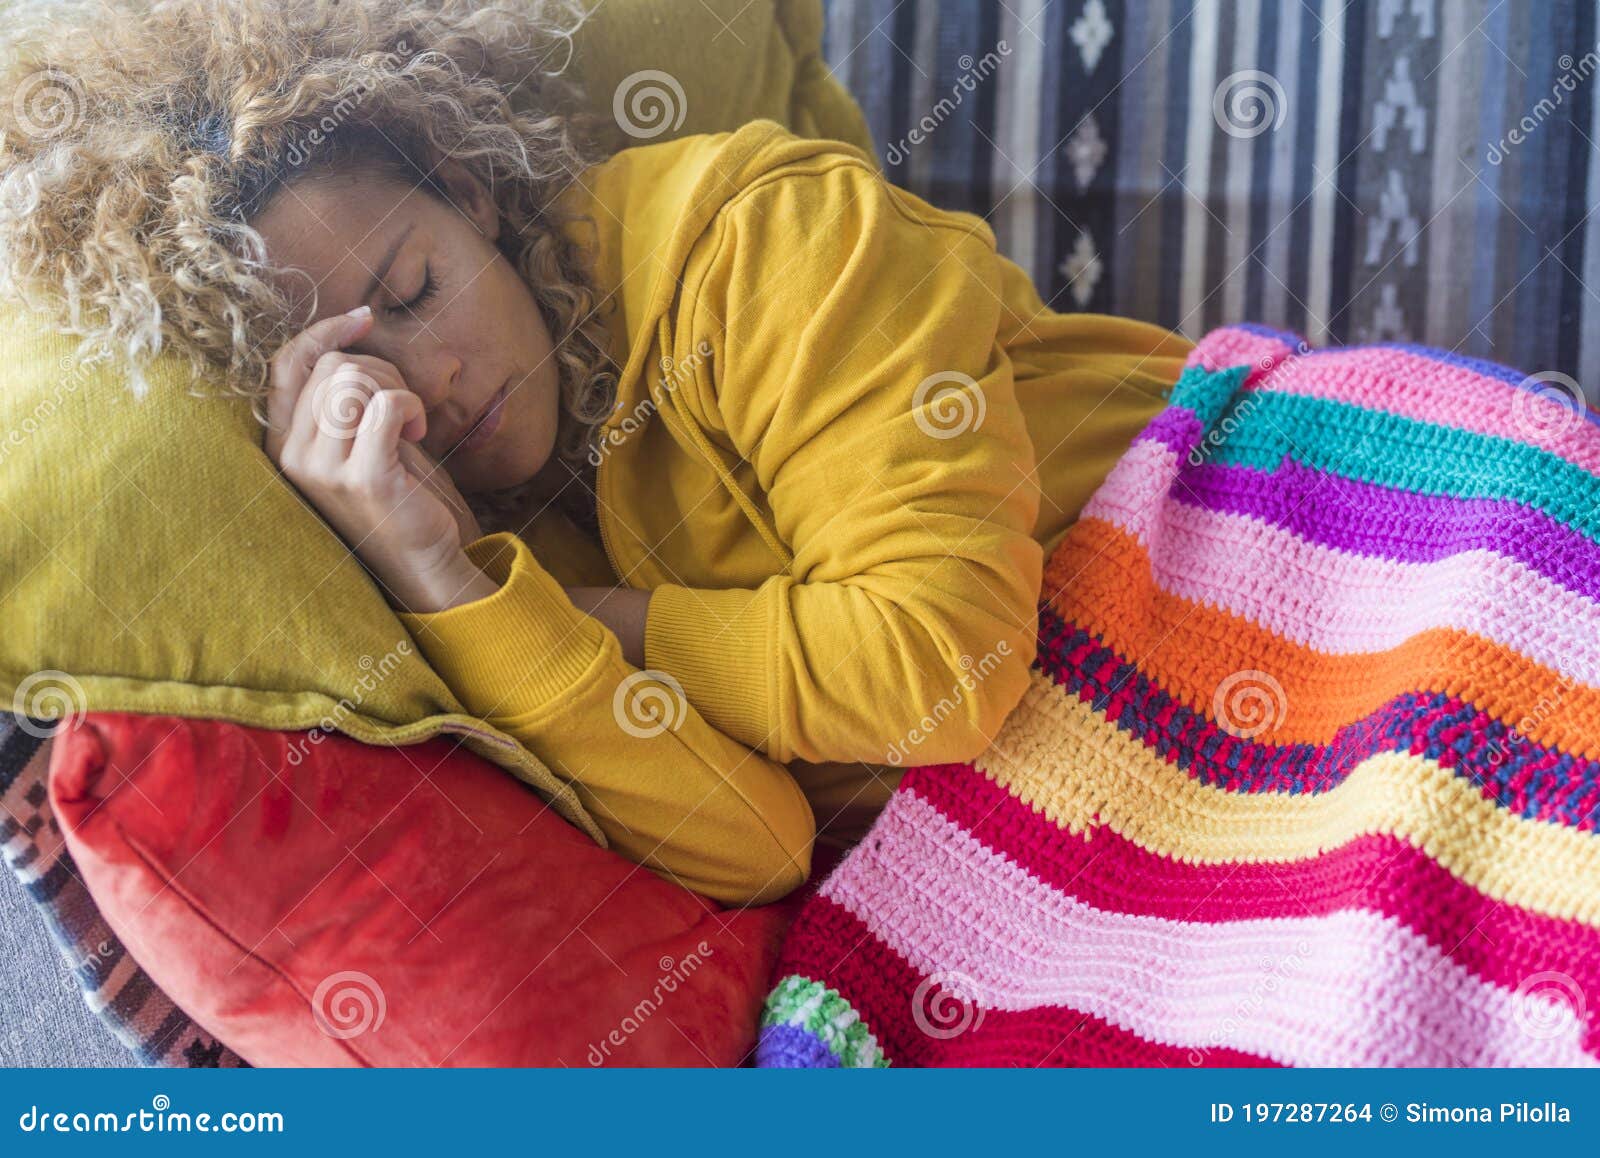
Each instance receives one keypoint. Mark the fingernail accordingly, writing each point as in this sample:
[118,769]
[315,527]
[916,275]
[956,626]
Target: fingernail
[360,312]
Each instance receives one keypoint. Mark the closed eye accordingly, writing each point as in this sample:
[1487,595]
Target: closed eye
[421,298]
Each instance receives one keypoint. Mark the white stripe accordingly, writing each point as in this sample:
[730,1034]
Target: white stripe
[1016,220]
[1197,166]
[1589,349]
[1280,184]
[1239,171]
[1447,290]
[1325,195]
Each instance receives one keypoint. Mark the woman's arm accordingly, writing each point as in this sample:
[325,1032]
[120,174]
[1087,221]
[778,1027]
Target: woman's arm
[856,366]
[667,789]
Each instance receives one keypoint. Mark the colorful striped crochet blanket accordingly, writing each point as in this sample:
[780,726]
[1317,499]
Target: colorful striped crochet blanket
[1308,771]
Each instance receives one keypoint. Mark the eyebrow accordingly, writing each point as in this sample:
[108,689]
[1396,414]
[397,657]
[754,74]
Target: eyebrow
[388,260]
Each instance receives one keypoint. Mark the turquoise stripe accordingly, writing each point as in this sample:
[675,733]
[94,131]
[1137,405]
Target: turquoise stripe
[1386,449]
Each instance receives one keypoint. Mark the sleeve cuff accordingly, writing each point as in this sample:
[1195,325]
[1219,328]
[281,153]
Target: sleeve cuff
[718,645]
[513,652]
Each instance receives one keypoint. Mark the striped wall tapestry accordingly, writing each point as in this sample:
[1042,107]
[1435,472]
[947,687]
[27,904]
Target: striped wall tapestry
[1354,170]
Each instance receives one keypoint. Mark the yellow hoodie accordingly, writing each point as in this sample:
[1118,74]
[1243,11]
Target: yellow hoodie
[847,432]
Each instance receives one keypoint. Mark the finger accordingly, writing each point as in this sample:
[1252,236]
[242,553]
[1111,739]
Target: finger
[333,404]
[334,397]
[379,438]
[291,366]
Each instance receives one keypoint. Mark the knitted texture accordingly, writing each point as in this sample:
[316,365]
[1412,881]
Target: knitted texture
[1308,770]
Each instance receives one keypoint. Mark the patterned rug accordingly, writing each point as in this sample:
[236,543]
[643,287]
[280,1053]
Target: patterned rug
[117,991]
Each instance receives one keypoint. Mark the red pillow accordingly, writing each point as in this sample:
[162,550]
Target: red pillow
[312,900]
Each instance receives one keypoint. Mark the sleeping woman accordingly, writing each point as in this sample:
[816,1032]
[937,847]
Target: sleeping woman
[771,450]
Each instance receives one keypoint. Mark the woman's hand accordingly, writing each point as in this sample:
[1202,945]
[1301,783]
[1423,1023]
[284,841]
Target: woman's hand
[344,428]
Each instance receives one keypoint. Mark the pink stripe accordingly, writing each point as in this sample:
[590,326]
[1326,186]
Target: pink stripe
[829,944]
[1349,988]
[1345,604]
[1410,385]
[1335,601]
[1499,942]
[1229,347]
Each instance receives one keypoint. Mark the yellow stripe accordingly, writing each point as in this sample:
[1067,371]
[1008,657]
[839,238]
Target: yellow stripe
[1070,763]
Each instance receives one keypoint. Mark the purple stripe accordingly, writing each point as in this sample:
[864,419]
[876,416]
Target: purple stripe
[788,1047]
[1394,524]
[1287,337]
[1177,428]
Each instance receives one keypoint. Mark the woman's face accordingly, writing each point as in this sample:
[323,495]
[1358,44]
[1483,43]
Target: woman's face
[450,312]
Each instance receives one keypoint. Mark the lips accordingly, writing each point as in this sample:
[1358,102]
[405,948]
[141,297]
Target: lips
[483,427]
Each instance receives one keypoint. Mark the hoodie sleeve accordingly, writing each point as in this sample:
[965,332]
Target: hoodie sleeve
[668,790]
[856,367]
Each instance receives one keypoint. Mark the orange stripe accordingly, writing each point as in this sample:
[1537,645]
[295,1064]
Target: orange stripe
[1102,582]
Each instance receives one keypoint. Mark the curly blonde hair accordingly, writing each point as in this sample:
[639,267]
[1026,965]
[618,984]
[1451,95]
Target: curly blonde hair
[140,139]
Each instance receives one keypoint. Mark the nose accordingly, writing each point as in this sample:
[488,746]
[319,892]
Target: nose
[435,383]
